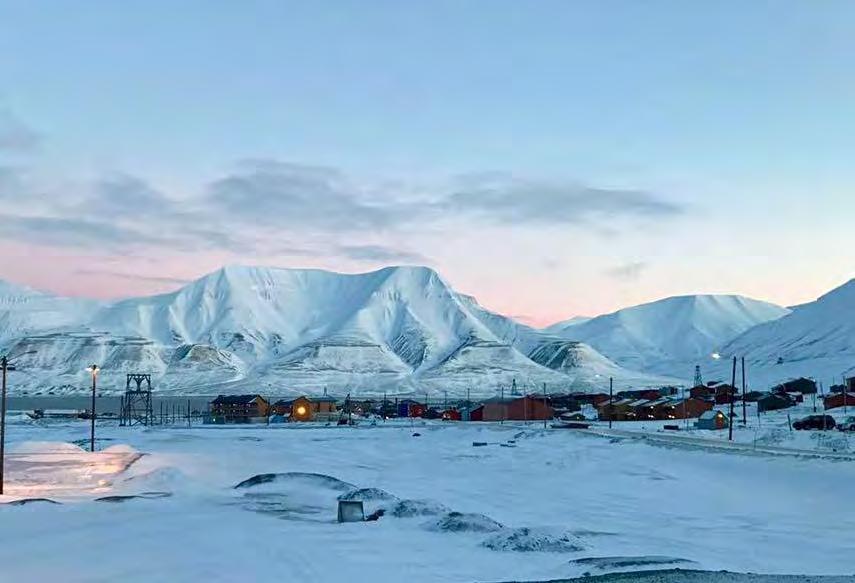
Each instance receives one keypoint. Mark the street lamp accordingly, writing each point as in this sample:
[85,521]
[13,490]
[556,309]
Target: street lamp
[93,370]
[4,364]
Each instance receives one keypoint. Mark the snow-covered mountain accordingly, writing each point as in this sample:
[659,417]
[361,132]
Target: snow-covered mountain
[816,339]
[560,328]
[669,335]
[281,331]
[25,311]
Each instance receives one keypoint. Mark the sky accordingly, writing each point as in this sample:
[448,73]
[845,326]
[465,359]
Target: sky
[551,158]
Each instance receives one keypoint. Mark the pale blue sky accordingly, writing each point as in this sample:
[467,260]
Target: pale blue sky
[742,114]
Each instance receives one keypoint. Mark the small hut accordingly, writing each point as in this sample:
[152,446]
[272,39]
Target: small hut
[712,419]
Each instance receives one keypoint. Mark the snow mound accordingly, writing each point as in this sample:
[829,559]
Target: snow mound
[162,478]
[127,497]
[297,480]
[27,501]
[416,508]
[366,494]
[45,447]
[527,539]
[465,522]
[294,495]
[634,563]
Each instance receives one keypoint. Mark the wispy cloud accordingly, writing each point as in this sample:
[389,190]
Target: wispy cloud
[265,202]
[74,232]
[508,199]
[133,276]
[628,271]
[380,254]
[278,193]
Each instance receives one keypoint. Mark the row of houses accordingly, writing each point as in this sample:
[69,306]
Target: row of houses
[257,409]
[665,403]
[663,408]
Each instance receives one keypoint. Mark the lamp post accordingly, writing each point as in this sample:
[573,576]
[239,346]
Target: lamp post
[4,364]
[93,370]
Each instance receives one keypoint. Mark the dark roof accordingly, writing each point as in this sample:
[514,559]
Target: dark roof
[235,399]
[512,399]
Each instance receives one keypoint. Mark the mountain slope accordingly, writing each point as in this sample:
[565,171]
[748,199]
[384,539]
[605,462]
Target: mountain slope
[657,335]
[24,310]
[398,329]
[816,339]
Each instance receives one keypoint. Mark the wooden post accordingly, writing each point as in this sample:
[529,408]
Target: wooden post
[611,394]
[731,391]
[545,406]
[744,405]
[4,363]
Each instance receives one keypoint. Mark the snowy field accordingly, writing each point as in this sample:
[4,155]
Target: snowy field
[531,504]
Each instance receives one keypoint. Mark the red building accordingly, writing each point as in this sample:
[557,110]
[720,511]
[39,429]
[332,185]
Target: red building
[840,400]
[724,393]
[451,415]
[682,409]
[526,408]
[702,392]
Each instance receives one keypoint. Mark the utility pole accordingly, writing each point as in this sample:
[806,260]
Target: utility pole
[545,406]
[4,363]
[611,407]
[94,370]
[744,414]
[731,391]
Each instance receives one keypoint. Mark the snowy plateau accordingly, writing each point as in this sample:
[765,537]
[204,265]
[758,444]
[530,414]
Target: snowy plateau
[400,330]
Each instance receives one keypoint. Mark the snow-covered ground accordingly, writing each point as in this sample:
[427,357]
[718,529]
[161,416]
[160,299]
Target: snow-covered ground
[454,512]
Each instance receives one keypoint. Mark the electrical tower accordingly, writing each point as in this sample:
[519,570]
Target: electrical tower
[699,380]
[136,404]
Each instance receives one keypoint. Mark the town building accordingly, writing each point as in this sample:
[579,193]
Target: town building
[411,408]
[305,408]
[682,408]
[801,385]
[239,409]
[773,402]
[528,408]
[619,410]
[839,400]
[712,419]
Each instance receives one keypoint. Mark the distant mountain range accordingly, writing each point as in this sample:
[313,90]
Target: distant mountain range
[816,339]
[667,334]
[285,331]
[401,330]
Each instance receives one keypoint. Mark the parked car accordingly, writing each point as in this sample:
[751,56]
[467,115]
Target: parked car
[815,422]
[847,424]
